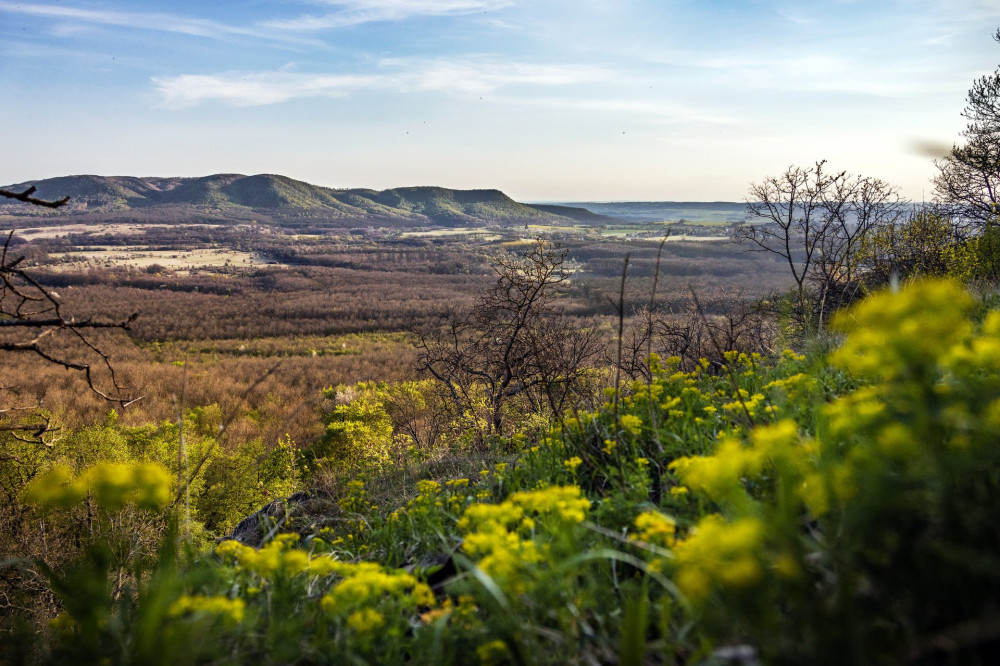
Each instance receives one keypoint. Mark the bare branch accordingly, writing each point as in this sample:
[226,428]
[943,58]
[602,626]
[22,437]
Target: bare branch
[27,198]
[31,316]
[513,345]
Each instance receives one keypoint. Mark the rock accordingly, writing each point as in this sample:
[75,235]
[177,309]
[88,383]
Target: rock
[259,526]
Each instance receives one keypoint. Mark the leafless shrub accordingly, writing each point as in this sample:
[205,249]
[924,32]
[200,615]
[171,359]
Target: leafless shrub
[515,346]
[33,317]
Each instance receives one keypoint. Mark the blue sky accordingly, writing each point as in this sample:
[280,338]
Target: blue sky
[544,99]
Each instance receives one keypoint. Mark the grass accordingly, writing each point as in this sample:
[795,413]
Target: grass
[174,260]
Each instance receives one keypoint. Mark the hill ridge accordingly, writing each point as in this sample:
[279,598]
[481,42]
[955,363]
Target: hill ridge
[275,193]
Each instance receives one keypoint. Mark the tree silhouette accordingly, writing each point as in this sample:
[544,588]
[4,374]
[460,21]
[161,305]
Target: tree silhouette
[32,319]
[969,177]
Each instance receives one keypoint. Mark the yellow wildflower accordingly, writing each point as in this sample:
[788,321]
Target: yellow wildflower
[230,610]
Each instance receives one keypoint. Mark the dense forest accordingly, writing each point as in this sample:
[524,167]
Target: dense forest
[248,419]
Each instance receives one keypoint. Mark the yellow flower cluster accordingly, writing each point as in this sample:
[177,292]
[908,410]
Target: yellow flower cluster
[655,528]
[895,334]
[146,485]
[493,531]
[719,552]
[796,387]
[719,476]
[277,557]
[632,424]
[494,652]
[564,503]
[354,502]
[366,620]
[229,610]
[934,381]
[367,583]
[362,585]
[428,487]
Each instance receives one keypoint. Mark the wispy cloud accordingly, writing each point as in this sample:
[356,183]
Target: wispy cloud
[355,12]
[833,73]
[273,87]
[152,21]
[480,77]
[964,10]
[822,69]
[255,89]
[660,112]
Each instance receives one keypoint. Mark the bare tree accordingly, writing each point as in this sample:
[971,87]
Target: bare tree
[515,344]
[33,317]
[741,325]
[857,206]
[815,222]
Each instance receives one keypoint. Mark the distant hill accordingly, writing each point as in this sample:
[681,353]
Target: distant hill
[712,212]
[233,196]
[576,213]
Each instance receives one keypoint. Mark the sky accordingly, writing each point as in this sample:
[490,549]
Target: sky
[547,100]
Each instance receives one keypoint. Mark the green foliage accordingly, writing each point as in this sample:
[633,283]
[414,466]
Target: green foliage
[926,244]
[239,481]
[372,424]
[817,509]
[358,431]
[987,253]
[110,491]
[868,538]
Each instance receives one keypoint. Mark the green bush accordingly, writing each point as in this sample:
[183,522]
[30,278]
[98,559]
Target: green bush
[834,508]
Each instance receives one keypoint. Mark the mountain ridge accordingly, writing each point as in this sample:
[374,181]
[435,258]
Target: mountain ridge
[227,195]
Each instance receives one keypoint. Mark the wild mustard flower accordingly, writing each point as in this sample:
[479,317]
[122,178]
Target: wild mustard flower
[632,424]
[366,582]
[572,463]
[795,388]
[435,614]
[354,501]
[230,610]
[366,620]
[563,502]
[655,528]
[895,334]
[717,553]
[490,516]
[493,653]
[670,404]
[718,476]
[146,485]
[277,557]
[428,487]
[493,531]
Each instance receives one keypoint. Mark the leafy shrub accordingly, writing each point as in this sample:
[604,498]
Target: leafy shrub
[836,509]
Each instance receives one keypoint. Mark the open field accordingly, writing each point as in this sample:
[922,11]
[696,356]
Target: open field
[181,261]
[93,230]
[328,308]
[458,231]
